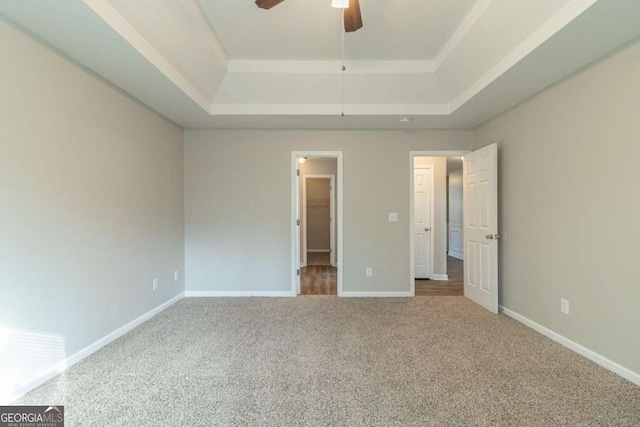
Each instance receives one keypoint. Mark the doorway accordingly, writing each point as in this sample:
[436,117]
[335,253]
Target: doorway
[436,208]
[480,234]
[317,223]
[318,213]
[318,272]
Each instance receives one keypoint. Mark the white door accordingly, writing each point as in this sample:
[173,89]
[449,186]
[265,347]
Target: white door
[480,205]
[423,205]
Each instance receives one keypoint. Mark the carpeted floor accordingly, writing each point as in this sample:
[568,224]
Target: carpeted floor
[320,361]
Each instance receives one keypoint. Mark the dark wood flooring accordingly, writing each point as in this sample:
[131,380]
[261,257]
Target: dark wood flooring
[318,277]
[318,258]
[453,287]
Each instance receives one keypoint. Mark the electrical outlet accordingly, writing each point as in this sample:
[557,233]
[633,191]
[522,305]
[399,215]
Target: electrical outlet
[176,275]
[369,271]
[155,283]
[564,306]
[393,216]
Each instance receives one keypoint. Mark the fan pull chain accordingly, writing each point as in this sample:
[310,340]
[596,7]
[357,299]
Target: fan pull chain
[344,68]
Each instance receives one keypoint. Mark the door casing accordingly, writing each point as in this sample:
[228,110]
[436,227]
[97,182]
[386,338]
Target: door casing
[295,228]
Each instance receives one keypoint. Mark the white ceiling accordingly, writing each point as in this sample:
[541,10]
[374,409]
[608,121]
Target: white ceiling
[311,30]
[228,64]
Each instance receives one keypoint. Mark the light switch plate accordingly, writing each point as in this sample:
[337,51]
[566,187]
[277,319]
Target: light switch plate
[393,217]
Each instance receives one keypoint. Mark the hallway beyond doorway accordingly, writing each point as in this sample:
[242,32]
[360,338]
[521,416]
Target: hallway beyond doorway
[452,287]
[318,277]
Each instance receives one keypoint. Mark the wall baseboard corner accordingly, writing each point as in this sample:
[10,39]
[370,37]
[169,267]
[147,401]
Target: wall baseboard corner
[456,254]
[41,378]
[444,277]
[625,373]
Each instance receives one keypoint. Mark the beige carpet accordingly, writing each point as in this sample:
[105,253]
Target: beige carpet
[440,361]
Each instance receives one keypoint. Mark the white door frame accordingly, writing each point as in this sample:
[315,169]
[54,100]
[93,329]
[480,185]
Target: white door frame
[332,215]
[412,156]
[431,214]
[295,203]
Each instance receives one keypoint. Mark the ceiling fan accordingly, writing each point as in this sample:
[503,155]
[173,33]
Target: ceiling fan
[351,8]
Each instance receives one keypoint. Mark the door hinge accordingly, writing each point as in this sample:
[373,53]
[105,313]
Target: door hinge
[298,222]
[298,272]
[298,172]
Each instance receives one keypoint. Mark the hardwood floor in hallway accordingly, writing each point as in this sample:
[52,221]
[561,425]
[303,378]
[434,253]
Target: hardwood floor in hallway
[318,277]
[452,287]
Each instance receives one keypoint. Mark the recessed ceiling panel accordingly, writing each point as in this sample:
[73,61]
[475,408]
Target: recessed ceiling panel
[311,29]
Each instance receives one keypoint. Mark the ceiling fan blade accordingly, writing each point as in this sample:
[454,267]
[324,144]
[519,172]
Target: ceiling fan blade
[352,17]
[268,4]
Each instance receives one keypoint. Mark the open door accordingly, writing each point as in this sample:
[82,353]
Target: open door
[480,204]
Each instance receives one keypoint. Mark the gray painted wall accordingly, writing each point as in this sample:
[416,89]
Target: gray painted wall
[91,190]
[569,206]
[238,204]
[455,197]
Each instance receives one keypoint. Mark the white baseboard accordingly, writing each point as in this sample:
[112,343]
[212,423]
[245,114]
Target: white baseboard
[65,364]
[456,254]
[626,373]
[440,277]
[218,294]
[319,250]
[349,294]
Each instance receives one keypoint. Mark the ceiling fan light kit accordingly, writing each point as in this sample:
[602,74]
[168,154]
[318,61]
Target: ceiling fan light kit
[350,9]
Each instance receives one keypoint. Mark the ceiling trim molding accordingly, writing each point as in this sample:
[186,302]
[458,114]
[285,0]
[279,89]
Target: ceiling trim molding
[205,30]
[120,25]
[330,67]
[463,29]
[554,24]
[331,109]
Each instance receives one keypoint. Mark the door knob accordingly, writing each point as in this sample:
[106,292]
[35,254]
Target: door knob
[427,229]
[492,236]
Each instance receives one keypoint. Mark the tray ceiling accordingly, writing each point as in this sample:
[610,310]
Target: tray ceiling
[228,64]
